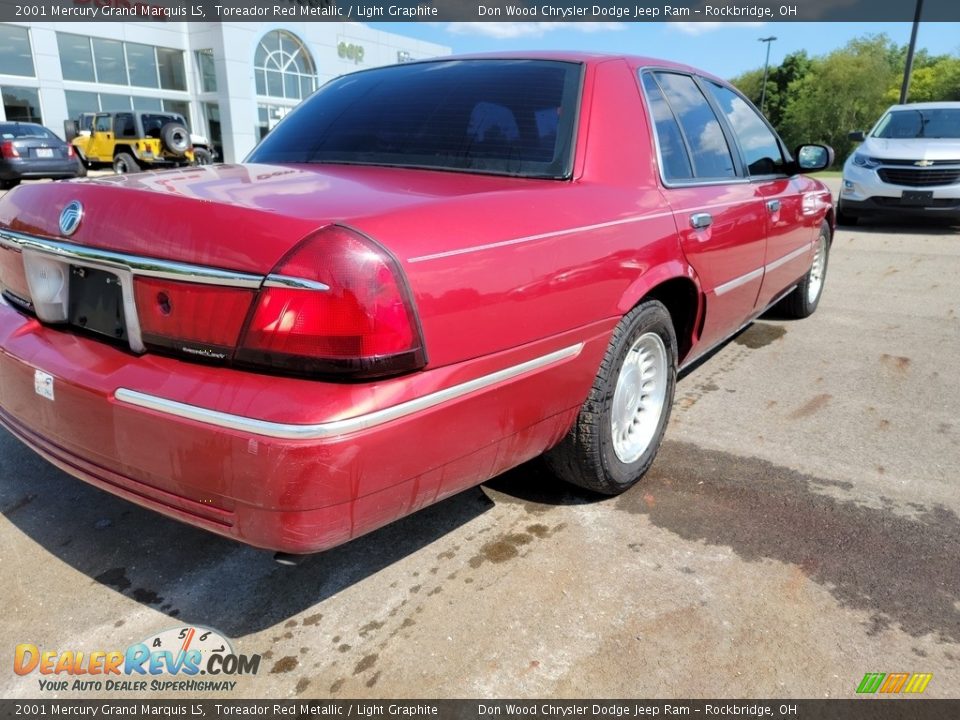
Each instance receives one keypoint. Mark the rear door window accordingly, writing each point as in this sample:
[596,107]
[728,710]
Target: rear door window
[674,158]
[701,128]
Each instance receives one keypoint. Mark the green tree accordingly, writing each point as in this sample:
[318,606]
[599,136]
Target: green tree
[822,99]
[842,91]
[935,81]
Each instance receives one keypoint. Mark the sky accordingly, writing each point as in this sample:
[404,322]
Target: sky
[724,49]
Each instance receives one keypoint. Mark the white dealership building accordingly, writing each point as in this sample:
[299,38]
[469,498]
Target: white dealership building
[232,81]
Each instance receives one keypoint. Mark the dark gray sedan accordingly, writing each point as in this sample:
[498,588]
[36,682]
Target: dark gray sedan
[29,151]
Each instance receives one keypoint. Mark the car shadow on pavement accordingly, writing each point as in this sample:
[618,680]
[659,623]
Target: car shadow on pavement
[190,574]
[895,562]
[931,226]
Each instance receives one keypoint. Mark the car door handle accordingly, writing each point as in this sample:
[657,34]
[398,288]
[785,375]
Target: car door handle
[699,221]
[773,205]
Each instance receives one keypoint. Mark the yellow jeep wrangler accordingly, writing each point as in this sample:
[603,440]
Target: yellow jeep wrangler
[131,141]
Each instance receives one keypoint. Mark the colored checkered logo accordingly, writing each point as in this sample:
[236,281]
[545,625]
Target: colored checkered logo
[891,683]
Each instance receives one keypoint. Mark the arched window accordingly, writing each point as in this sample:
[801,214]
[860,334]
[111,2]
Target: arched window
[283,67]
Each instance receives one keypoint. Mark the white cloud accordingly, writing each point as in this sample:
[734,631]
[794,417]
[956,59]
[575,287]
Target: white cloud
[507,30]
[699,28]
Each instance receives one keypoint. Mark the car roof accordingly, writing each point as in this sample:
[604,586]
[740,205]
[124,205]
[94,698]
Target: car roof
[578,56]
[926,106]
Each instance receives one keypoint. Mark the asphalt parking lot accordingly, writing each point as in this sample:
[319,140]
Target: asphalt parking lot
[799,529]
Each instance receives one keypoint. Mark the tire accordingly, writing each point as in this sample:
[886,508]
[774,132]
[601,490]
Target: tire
[70,130]
[176,138]
[124,163]
[619,429]
[803,301]
[8,184]
[202,156]
[844,216]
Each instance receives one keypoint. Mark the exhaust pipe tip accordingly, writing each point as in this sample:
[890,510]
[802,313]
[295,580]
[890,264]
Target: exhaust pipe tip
[288,560]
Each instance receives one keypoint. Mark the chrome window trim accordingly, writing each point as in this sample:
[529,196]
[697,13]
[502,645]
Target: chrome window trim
[336,428]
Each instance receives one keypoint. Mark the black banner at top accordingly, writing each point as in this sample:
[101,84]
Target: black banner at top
[478,10]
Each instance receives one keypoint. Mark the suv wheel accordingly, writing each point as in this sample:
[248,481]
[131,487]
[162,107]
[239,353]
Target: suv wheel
[202,156]
[124,163]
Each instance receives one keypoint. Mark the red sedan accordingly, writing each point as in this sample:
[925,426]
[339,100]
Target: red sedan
[427,274]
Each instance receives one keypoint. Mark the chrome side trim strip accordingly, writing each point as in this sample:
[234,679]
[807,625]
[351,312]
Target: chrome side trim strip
[274,280]
[753,274]
[541,236]
[738,281]
[139,266]
[787,258]
[336,428]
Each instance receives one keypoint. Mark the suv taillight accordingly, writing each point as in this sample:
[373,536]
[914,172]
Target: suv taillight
[354,315]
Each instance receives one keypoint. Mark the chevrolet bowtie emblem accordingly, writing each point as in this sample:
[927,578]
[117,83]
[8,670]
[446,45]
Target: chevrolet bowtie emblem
[923,163]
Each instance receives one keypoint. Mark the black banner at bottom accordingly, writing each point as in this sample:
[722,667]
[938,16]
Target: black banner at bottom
[875,708]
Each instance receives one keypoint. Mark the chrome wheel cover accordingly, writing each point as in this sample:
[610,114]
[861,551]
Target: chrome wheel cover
[817,270]
[639,398]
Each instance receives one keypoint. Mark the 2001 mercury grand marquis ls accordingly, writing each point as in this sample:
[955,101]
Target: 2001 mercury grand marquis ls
[425,275]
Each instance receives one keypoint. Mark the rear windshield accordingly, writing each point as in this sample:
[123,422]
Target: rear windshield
[920,123]
[25,130]
[153,122]
[505,117]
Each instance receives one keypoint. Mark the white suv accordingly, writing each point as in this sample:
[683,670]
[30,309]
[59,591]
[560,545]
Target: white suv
[909,164]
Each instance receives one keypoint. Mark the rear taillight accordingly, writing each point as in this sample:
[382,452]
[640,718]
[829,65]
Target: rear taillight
[338,303]
[200,320]
[9,150]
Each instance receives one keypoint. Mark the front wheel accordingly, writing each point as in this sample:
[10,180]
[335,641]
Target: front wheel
[803,300]
[621,425]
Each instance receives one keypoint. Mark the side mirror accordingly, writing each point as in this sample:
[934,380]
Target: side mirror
[856,135]
[811,158]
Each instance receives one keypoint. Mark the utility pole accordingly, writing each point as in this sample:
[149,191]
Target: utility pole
[766,69]
[908,69]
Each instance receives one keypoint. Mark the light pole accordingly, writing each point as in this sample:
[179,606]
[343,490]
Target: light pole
[908,68]
[766,68]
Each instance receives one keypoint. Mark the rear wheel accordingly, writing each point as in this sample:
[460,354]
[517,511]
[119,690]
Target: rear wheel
[803,300]
[124,163]
[621,425]
[202,156]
